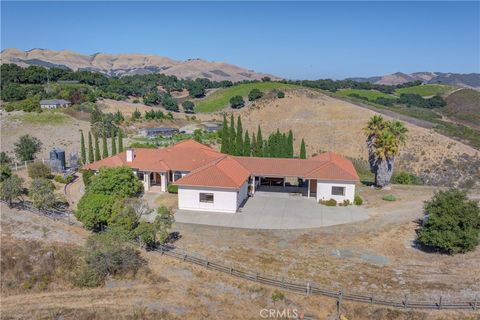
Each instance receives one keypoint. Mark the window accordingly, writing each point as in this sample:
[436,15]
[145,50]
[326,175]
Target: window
[338,191]
[177,175]
[140,175]
[206,197]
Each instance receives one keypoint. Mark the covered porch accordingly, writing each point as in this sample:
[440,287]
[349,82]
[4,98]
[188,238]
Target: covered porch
[289,185]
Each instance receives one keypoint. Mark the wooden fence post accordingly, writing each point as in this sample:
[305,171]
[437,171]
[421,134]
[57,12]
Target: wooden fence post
[308,288]
[440,303]
[339,302]
[16,166]
[25,164]
[475,303]
[405,301]
[206,263]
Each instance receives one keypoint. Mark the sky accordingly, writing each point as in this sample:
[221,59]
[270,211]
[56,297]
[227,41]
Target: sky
[296,40]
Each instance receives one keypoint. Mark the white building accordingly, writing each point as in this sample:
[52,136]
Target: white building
[54,103]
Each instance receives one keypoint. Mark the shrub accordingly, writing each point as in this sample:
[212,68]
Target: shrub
[172,188]
[188,106]
[86,176]
[280,94]
[5,172]
[11,189]
[452,222]
[237,102]
[145,233]
[41,193]
[254,94]
[120,181]
[358,201]
[62,179]
[95,210]
[277,296]
[404,177]
[330,202]
[345,203]
[38,170]
[389,197]
[163,223]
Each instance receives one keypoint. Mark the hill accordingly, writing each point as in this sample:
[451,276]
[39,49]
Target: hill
[129,64]
[464,105]
[471,80]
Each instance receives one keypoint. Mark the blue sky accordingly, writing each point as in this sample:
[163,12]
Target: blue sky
[306,40]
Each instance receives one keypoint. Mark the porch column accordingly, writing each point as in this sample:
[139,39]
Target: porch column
[253,185]
[163,182]
[308,190]
[146,181]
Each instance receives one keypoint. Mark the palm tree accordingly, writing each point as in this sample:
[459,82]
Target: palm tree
[384,139]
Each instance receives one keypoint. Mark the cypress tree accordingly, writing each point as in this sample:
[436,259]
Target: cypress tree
[290,144]
[225,140]
[105,146]
[239,138]
[97,148]
[232,137]
[90,148]
[114,146]
[303,151]
[254,145]
[120,140]
[260,145]
[83,152]
[246,145]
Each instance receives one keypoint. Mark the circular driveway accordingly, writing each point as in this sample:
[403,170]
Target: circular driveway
[267,210]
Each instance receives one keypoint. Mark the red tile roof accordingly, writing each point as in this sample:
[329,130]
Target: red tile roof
[208,167]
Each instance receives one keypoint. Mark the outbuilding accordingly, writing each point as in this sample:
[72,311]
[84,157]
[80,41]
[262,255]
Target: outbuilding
[54,103]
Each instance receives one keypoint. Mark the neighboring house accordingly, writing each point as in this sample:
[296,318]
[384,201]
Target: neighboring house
[208,180]
[54,103]
[212,126]
[162,131]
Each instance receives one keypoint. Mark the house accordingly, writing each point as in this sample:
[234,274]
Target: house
[54,103]
[208,180]
[162,131]
[212,126]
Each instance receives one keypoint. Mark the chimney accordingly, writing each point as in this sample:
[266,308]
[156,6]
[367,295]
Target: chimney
[130,155]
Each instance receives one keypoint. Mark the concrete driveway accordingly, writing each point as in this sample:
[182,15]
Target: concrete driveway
[276,211]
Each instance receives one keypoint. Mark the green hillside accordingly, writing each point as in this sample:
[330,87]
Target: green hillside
[369,94]
[426,90]
[221,98]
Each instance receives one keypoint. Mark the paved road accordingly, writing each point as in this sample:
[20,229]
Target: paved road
[276,211]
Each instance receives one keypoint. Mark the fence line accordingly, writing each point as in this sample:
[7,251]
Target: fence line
[301,287]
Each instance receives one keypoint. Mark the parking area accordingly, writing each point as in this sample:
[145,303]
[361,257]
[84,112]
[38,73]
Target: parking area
[271,210]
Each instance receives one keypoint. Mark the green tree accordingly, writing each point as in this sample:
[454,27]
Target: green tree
[119,181]
[239,138]
[120,140]
[26,147]
[247,148]
[237,102]
[254,94]
[452,222]
[90,148]
[126,213]
[136,115]
[303,151]
[254,150]
[290,144]
[42,193]
[188,106]
[232,136]
[4,158]
[146,234]
[94,210]
[114,146]
[384,139]
[97,148]
[11,189]
[163,223]
[5,172]
[39,170]
[83,153]
[225,139]
[260,144]
[104,145]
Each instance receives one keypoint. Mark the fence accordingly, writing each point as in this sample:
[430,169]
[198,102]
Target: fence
[301,287]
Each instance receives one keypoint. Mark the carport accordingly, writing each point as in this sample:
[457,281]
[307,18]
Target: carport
[275,184]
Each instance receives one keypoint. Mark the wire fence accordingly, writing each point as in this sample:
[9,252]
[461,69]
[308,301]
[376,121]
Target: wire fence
[296,286]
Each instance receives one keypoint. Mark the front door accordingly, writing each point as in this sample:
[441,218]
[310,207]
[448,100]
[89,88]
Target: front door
[313,187]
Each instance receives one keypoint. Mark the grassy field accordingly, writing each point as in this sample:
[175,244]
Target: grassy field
[221,98]
[370,94]
[46,117]
[426,90]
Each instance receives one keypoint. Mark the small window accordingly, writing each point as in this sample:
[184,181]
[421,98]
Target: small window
[206,197]
[140,175]
[177,175]
[338,191]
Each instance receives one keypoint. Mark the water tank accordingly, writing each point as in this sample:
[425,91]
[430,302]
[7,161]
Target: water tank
[57,159]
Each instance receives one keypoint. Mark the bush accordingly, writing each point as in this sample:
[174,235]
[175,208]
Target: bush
[280,94]
[145,233]
[389,197]
[345,203]
[277,296]
[188,106]
[11,189]
[237,102]
[358,201]
[452,222]
[330,202]
[42,193]
[172,188]
[38,170]
[254,94]
[62,179]
[5,172]
[86,176]
[404,177]
[120,182]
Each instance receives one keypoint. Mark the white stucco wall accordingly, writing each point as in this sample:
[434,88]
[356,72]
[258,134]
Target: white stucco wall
[324,190]
[224,200]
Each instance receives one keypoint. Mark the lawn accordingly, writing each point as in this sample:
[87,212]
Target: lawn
[45,117]
[370,94]
[221,98]
[426,90]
